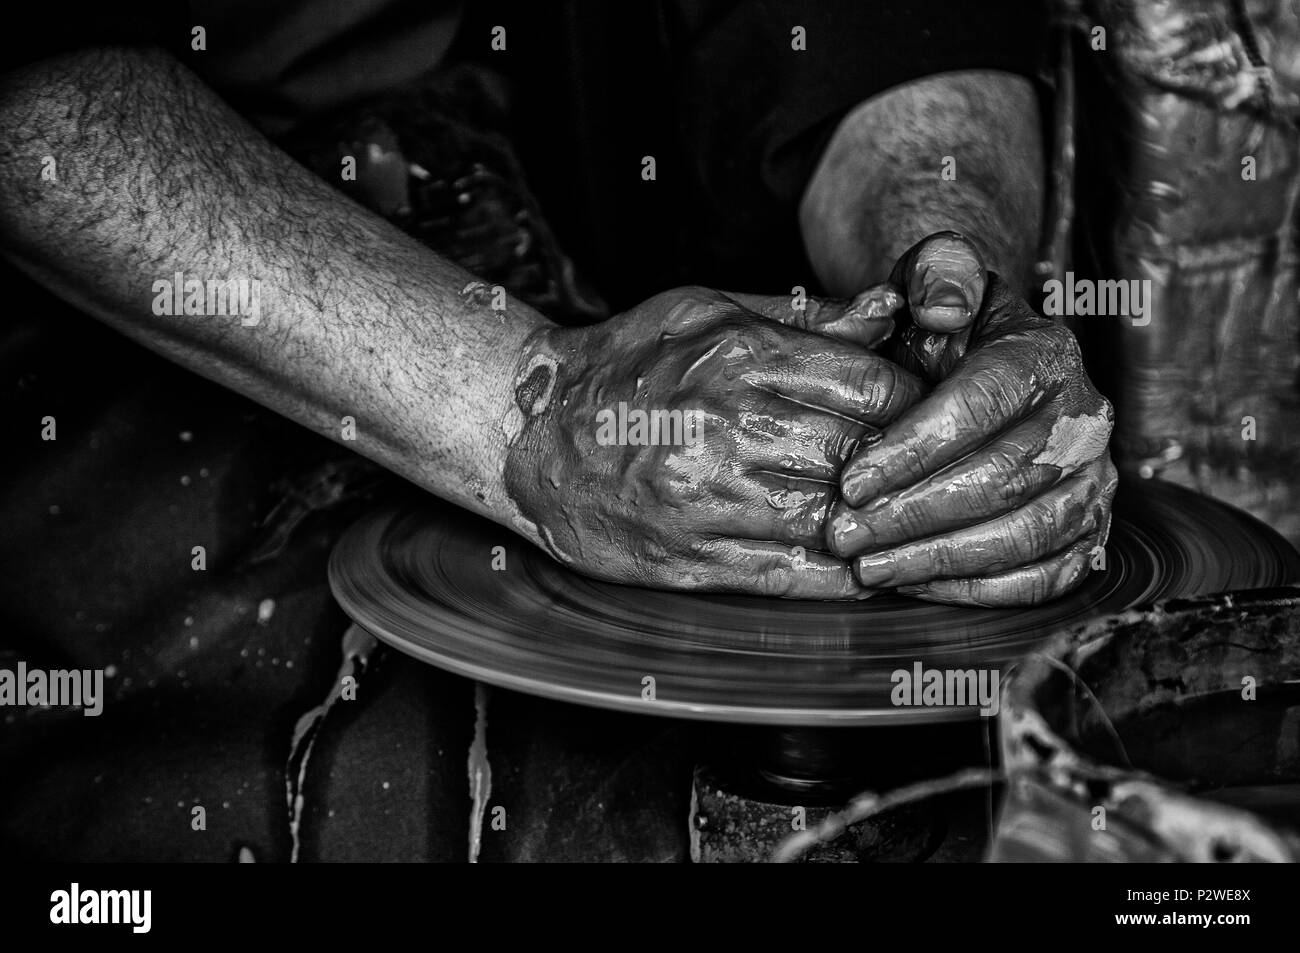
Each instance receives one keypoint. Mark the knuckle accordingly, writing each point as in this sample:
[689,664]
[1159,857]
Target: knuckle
[980,398]
[681,314]
[689,308]
[1002,466]
[1004,478]
[694,294]
[650,557]
[1060,342]
[965,591]
[856,376]
[696,548]
[839,444]
[942,563]
[755,342]
[1017,549]
[912,521]
[777,581]
[912,460]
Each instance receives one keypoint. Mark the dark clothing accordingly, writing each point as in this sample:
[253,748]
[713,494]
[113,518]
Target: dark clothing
[713,90]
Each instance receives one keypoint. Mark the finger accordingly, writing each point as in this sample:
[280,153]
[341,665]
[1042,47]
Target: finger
[944,278]
[783,509]
[866,320]
[843,379]
[929,355]
[998,478]
[1025,586]
[1075,508]
[998,385]
[785,438]
[763,568]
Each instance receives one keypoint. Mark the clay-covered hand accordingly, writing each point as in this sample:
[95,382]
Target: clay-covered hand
[694,442]
[996,488]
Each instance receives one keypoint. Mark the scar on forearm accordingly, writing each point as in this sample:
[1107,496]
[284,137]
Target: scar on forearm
[535,385]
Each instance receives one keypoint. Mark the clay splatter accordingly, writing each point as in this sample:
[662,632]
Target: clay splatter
[1075,441]
[358,644]
[480,772]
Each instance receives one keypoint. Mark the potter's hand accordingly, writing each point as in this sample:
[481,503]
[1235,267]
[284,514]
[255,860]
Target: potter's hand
[694,441]
[995,488]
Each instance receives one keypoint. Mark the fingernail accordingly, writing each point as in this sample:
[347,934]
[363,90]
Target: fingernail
[861,485]
[942,292]
[876,571]
[944,306]
[847,535]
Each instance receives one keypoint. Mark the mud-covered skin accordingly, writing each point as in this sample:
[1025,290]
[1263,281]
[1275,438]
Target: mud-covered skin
[996,487]
[780,411]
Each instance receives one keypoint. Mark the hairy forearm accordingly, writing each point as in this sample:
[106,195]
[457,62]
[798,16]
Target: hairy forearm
[154,175]
[880,185]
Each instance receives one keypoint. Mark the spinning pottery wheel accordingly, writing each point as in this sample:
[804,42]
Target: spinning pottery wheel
[420,578]
[806,685]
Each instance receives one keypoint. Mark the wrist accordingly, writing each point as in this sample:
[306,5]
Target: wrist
[455,441]
[542,370]
[522,381]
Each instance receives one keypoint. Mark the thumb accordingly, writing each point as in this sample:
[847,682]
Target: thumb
[866,320]
[944,278]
